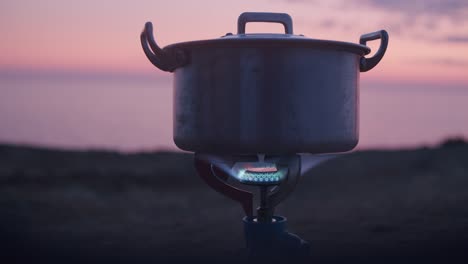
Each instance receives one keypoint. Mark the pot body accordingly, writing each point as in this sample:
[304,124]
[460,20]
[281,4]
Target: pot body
[245,100]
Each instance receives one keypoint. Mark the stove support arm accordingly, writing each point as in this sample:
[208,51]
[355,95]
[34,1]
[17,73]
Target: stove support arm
[216,179]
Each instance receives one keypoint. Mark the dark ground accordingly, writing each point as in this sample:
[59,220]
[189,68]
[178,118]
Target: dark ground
[370,206]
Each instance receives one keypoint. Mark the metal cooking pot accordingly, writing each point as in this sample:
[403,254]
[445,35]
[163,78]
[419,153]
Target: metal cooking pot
[265,93]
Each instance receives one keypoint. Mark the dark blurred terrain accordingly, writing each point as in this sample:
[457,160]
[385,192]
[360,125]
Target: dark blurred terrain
[70,206]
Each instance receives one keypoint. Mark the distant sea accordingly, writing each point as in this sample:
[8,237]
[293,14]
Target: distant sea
[131,113]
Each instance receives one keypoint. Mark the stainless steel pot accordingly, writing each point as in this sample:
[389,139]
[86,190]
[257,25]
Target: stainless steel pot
[265,93]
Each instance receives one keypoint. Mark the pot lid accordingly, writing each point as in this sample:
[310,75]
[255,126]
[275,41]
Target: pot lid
[175,55]
[271,39]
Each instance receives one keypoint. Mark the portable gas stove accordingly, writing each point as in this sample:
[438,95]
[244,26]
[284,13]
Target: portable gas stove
[276,177]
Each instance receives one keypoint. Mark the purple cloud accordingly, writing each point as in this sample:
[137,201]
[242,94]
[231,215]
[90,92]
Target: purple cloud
[327,23]
[421,19]
[455,9]
[456,39]
[417,7]
[444,61]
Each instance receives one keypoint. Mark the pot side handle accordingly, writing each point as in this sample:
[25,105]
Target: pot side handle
[164,59]
[247,17]
[367,64]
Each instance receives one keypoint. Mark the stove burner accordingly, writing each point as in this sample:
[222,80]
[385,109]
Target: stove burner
[259,173]
[262,177]
[276,176]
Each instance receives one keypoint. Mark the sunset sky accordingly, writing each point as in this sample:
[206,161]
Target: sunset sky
[66,41]
[428,38]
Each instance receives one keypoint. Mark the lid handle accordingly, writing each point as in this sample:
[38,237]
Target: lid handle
[282,18]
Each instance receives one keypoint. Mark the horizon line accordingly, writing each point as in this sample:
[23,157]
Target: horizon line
[155,75]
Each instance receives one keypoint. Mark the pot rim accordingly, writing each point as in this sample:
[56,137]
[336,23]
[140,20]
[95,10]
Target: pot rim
[269,41]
